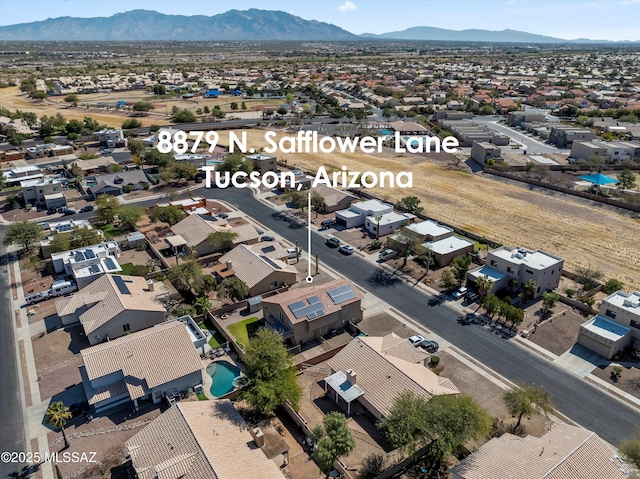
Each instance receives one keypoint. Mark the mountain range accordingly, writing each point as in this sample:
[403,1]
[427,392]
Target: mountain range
[236,25]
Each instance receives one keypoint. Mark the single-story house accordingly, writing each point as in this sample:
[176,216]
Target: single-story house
[201,440]
[565,452]
[304,314]
[375,370]
[259,272]
[335,199]
[356,214]
[142,366]
[95,165]
[387,223]
[113,306]
[116,183]
[446,249]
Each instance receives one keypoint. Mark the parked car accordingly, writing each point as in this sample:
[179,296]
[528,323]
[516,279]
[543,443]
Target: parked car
[292,253]
[472,296]
[69,212]
[224,216]
[346,249]
[267,238]
[86,208]
[259,231]
[328,224]
[415,340]
[106,151]
[386,254]
[460,292]
[429,346]
[333,242]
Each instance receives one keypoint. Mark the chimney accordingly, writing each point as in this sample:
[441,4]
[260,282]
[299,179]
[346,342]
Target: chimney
[352,377]
[258,436]
[150,285]
[229,264]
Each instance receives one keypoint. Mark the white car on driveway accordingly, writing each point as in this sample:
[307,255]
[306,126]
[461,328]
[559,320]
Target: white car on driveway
[460,292]
[415,340]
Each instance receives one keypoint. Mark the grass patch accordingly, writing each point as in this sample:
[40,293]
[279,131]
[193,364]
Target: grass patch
[217,340]
[244,329]
[202,397]
[126,268]
[111,231]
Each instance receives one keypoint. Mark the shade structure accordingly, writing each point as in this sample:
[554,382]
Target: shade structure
[598,179]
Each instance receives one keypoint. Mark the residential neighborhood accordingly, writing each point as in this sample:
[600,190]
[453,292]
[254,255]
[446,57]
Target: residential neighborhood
[480,321]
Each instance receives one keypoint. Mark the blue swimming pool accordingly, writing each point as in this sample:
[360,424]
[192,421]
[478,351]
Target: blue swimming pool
[222,374]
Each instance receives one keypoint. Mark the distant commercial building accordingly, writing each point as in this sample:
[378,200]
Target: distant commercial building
[616,326]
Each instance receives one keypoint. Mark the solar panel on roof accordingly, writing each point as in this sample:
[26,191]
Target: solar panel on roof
[89,254]
[270,262]
[110,264]
[341,294]
[297,305]
[313,299]
[122,284]
[79,256]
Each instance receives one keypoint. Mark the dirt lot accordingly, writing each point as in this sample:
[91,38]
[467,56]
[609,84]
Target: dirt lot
[581,233]
[486,393]
[629,381]
[59,347]
[382,324]
[559,333]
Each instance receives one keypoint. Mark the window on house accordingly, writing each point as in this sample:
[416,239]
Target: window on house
[610,313]
[493,262]
[553,271]
[126,327]
[509,269]
[529,271]
[635,324]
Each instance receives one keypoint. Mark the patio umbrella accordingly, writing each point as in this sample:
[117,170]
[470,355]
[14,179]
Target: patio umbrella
[598,179]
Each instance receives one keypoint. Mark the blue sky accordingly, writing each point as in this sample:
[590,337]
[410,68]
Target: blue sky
[596,19]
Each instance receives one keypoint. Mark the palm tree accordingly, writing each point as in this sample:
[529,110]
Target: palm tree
[57,415]
[484,285]
[526,400]
[377,218]
[202,304]
[530,287]
[513,283]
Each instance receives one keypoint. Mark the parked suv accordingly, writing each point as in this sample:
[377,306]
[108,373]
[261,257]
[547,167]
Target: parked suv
[333,242]
[328,224]
[386,254]
[86,208]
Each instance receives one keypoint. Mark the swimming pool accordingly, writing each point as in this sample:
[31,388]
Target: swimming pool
[222,374]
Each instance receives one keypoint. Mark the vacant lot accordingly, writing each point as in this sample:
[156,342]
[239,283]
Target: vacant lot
[581,233]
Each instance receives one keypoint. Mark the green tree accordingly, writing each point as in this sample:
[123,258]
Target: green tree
[234,105]
[525,400]
[271,372]
[243,106]
[130,124]
[297,199]
[549,301]
[107,207]
[233,289]
[222,240]
[202,304]
[114,168]
[627,179]
[491,304]
[234,163]
[184,116]
[484,285]
[371,466]
[142,106]
[460,266]
[136,147]
[448,280]
[411,204]
[74,126]
[72,98]
[38,95]
[130,215]
[24,234]
[171,214]
[57,415]
[530,288]
[333,439]
[318,203]
[443,423]
[630,449]
[188,277]
[184,170]
[153,157]
[159,90]
[612,285]
[90,124]
[588,277]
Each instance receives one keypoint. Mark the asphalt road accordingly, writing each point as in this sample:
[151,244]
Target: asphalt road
[532,146]
[12,437]
[573,397]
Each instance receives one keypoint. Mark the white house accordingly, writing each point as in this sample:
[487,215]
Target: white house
[387,223]
[86,264]
[357,213]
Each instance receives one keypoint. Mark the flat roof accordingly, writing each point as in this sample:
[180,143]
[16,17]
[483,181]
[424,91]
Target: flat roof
[372,205]
[429,228]
[605,328]
[340,384]
[393,217]
[448,245]
[629,302]
[176,240]
[349,213]
[535,259]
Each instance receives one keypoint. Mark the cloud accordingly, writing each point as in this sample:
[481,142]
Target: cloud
[347,6]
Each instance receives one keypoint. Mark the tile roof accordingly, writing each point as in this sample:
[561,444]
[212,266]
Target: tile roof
[252,268]
[384,371]
[566,452]
[195,229]
[301,294]
[119,179]
[146,359]
[105,301]
[199,440]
